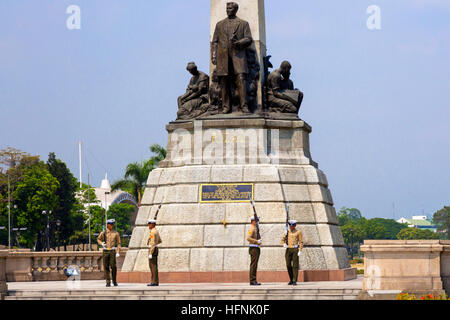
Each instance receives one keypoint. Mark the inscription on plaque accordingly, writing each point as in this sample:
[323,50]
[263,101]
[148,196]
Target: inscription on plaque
[226,193]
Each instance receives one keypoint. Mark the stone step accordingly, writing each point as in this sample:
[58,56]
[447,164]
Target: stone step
[163,292]
[299,296]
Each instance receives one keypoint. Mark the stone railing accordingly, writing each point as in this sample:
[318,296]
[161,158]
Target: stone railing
[50,266]
[412,266]
[3,285]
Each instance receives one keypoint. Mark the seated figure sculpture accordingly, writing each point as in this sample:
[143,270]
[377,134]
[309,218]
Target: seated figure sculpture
[281,95]
[215,93]
[196,99]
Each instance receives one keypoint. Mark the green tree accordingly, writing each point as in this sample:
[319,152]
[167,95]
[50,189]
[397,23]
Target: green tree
[136,174]
[87,203]
[13,164]
[97,226]
[353,234]
[87,195]
[346,215]
[122,212]
[10,158]
[442,219]
[392,227]
[66,211]
[159,154]
[416,234]
[35,192]
[3,221]
[374,230]
[97,222]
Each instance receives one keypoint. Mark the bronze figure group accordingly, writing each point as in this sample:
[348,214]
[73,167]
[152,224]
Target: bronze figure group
[234,82]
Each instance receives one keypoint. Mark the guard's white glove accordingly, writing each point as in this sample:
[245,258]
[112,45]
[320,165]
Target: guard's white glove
[117,255]
[285,246]
[285,232]
[259,241]
[299,253]
[104,245]
[150,256]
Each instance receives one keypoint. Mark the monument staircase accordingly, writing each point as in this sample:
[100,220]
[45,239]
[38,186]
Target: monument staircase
[190,292]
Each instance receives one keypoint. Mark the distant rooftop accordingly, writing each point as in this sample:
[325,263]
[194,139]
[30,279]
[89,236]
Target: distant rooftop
[420,222]
[424,223]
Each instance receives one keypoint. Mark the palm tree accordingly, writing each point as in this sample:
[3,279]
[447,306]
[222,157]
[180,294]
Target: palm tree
[160,153]
[136,174]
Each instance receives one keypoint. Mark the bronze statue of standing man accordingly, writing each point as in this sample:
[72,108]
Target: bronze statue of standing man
[232,37]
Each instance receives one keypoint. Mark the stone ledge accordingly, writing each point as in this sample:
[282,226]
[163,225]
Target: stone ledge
[256,173]
[411,248]
[237,213]
[241,122]
[405,242]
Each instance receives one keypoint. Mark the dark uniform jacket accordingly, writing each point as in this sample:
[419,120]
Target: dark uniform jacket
[227,30]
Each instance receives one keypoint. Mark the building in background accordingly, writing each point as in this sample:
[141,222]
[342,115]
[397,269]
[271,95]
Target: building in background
[419,222]
[108,198]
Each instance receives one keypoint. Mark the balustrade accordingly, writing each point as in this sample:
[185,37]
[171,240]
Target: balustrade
[50,266]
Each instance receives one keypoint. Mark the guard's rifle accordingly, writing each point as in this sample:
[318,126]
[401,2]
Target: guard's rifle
[287,224]
[157,211]
[258,234]
[286,203]
[159,208]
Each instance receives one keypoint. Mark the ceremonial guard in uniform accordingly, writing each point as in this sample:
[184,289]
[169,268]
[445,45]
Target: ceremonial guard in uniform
[254,240]
[154,240]
[293,242]
[110,241]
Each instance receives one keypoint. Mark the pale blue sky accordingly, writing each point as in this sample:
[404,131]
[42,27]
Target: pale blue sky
[378,101]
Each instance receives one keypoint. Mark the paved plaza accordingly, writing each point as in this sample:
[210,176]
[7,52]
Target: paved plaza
[90,290]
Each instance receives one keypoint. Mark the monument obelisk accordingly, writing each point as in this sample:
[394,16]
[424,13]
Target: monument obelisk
[217,163]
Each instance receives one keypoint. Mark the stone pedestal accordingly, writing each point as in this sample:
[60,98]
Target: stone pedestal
[252,11]
[419,267]
[207,241]
[3,285]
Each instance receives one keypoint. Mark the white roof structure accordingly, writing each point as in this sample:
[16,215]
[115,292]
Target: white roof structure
[403,220]
[105,184]
[108,198]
